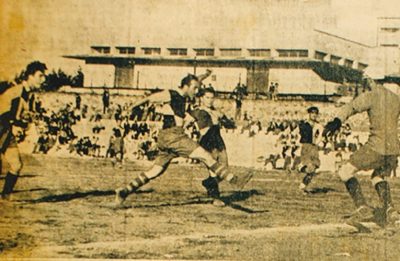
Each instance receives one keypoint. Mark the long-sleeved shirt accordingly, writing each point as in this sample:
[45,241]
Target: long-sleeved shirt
[207,120]
[383,108]
[12,103]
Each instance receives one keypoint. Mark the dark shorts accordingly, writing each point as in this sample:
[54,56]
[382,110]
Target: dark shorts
[220,156]
[310,156]
[366,159]
[173,143]
[7,140]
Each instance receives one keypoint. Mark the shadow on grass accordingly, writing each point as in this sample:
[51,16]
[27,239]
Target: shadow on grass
[198,200]
[30,190]
[322,190]
[20,176]
[77,195]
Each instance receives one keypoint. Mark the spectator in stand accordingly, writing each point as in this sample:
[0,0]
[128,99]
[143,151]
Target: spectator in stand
[137,113]
[78,101]
[31,102]
[84,111]
[237,95]
[38,106]
[116,146]
[271,90]
[106,100]
[126,126]
[95,147]
[275,92]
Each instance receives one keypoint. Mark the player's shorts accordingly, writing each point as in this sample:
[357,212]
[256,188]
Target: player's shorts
[220,156]
[7,140]
[173,143]
[366,159]
[310,156]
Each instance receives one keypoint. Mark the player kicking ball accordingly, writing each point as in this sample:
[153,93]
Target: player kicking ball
[173,142]
[378,154]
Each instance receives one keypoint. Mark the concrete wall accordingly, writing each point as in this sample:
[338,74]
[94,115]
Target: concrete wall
[291,81]
[334,45]
[99,75]
[151,76]
[384,61]
[300,81]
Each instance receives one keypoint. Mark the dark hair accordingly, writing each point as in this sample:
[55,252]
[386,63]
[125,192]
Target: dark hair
[33,67]
[313,109]
[187,79]
[205,90]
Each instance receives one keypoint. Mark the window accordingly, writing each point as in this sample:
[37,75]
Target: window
[335,59]
[303,53]
[348,63]
[204,52]
[320,55]
[362,66]
[292,53]
[231,52]
[177,51]
[151,51]
[101,49]
[390,29]
[260,52]
[126,50]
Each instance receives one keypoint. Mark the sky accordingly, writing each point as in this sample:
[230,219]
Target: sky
[47,29]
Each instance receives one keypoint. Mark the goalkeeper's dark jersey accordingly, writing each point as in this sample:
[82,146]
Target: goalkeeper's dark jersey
[208,120]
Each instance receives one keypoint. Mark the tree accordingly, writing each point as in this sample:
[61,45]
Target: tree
[77,80]
[57,79]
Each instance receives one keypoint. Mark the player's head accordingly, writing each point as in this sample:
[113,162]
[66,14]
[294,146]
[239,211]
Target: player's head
[207,96]
[372,78]
[189,85]
[35,74]
[313,113]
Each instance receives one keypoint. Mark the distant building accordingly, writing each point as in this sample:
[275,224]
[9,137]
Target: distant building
[291,52]
[385,57]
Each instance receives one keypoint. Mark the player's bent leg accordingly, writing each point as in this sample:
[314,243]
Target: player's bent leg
[204,156]
[346,174]
[211,184]
[141,179]
[220,170]
[382,188]
[363,212]
[212,187]
[310,173]
[12,157]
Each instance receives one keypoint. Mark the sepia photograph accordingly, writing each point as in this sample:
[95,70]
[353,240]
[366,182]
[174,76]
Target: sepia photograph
[199,130]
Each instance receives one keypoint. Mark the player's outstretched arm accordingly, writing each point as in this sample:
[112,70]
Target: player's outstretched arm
[202,77]
[360,104]
[156,98]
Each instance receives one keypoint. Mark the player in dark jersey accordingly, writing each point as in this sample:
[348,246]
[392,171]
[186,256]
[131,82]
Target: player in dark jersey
[310,137]
[13,105]
[378,154]
[208,121]
[173,142]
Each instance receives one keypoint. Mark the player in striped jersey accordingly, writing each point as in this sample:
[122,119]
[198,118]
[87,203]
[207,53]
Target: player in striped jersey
[310,137]
[13,104]
[173,142]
